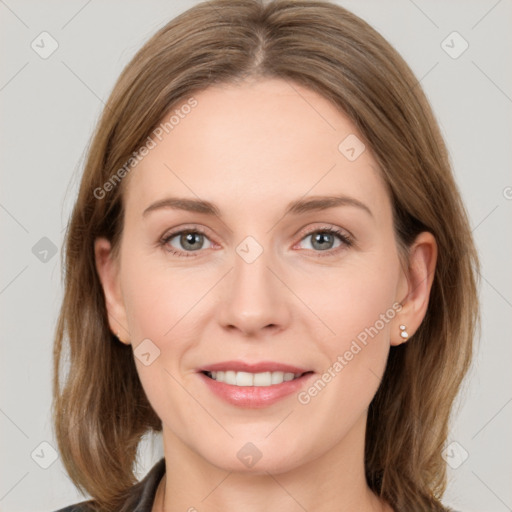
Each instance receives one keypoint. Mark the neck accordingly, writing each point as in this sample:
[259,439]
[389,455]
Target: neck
[333,481]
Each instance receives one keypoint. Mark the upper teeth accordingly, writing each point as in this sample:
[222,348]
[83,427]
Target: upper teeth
[252,379]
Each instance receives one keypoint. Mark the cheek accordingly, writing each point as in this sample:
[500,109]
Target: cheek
[351,299]
[160,303]
[163,305]
[357,306]
[158,297]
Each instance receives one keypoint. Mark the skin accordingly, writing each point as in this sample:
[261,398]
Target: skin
[250,149]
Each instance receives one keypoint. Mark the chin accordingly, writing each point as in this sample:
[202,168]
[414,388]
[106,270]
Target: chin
[255,457]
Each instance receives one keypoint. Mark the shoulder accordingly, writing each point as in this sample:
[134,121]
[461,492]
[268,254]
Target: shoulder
[139,498]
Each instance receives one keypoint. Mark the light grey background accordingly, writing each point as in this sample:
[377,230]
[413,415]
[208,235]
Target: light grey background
[48,110]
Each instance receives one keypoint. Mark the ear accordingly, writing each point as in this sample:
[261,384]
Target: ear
[417,280]
[108,270]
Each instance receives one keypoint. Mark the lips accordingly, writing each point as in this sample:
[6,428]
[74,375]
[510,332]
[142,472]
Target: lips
[261,367]
[253,385]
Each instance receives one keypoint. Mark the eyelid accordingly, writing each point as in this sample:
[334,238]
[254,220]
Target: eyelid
[186,227]
[323,226]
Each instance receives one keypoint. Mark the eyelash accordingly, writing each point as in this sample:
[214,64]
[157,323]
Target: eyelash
[347,241]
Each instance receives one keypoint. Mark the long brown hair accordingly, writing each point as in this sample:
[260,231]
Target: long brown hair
[100,409]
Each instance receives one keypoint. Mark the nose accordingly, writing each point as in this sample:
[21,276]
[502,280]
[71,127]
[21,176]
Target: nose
[254,301]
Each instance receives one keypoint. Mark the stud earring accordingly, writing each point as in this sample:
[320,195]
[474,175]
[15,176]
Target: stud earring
[403,332]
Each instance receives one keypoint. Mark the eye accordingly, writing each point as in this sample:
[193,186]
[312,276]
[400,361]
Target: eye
[185,241]
[324,240]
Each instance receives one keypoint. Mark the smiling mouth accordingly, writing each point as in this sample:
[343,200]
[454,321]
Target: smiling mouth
[244,379]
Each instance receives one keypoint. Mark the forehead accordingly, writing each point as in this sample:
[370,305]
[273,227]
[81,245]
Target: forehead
[267,140]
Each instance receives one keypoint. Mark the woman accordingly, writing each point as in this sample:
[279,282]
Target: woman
[269,262]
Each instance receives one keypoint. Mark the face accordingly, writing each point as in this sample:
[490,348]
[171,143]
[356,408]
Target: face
[266,284]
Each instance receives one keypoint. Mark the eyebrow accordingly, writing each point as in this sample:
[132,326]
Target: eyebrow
[296,207]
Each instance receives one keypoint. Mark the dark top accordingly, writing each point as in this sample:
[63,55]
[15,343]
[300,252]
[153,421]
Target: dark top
[142,493]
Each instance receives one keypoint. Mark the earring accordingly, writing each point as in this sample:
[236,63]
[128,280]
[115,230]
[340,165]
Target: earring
[119,337]
[403,332]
